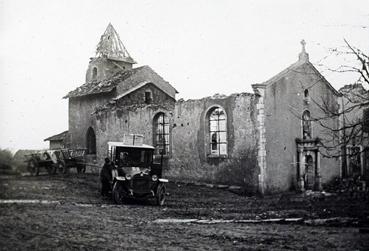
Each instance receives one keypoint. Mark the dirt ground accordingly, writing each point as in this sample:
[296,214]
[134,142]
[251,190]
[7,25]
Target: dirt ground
[73,215]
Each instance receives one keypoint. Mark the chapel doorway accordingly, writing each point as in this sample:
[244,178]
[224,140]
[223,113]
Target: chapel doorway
[309,172]
[308,165]
[91,141]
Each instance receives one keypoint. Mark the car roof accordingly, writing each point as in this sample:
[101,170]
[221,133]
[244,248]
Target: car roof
[121,144]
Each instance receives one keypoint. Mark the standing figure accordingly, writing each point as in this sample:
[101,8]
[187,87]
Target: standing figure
[106,177]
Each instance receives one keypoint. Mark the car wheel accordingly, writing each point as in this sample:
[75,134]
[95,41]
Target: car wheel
[33,167]
[160,195]
[118,193]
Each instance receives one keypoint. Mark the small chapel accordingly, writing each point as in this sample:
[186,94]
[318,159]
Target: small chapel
[267,141]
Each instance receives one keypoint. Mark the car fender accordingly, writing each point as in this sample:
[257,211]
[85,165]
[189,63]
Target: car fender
[120,178]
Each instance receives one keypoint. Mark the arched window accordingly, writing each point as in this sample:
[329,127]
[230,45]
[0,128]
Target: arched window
[306,93]
[94,73]
[306,125]
[217,131]
[91,141]
[306,97]
[161,134]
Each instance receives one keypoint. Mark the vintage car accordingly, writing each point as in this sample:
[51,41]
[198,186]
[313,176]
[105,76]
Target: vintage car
[135,175]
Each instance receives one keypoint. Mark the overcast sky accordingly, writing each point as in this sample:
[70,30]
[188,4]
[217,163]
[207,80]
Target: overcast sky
[201,47]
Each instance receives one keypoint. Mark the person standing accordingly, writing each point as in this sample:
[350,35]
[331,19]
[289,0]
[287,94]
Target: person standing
[106,177]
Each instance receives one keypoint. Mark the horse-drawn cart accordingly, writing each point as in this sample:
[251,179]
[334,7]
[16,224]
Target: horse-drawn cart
[39,160]
[70,158]
[56,160]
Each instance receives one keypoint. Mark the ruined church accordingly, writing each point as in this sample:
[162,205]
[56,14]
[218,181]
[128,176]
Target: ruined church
[266,140]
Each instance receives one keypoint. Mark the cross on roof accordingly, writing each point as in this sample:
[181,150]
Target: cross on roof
[303,43]
[303,56]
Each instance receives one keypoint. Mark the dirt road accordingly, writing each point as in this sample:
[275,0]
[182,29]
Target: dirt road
[67,212]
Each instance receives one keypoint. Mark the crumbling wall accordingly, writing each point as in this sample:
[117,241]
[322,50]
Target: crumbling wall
[112,119]
[129,115]
[190,159]
[113,124]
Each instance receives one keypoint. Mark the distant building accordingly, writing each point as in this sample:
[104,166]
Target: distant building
[355,118]
[267,140]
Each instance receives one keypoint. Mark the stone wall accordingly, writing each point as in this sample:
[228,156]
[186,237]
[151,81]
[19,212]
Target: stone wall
[81,117]
[105,68]
[56,144]
[137,97]
[130,115]
[113,124]
[259,90]
[190,144]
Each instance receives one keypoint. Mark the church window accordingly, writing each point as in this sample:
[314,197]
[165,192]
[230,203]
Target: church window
[94,73]
[306,93]
[91,141]
[306,96]
[148,97]
[306,125]
[161,134]
[217,132]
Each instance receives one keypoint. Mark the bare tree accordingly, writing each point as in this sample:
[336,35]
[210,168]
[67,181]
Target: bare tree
[348,139]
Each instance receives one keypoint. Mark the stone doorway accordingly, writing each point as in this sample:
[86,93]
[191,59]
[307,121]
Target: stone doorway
[310,169]
[308,164]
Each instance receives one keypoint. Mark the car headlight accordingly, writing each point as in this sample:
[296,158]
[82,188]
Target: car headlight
[128,177]
[154,177]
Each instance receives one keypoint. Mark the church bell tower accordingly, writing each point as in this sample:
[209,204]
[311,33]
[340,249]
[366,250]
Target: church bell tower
[111,57]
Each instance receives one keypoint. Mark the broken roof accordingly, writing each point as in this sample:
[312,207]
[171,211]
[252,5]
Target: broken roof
[127,83]
[111,47]
[57,137]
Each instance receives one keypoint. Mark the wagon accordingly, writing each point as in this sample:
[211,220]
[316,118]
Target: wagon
[71,158]
[47,160]
[60,160]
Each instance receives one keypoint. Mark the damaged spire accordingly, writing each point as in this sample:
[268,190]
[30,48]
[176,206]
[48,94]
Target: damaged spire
[111,47]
